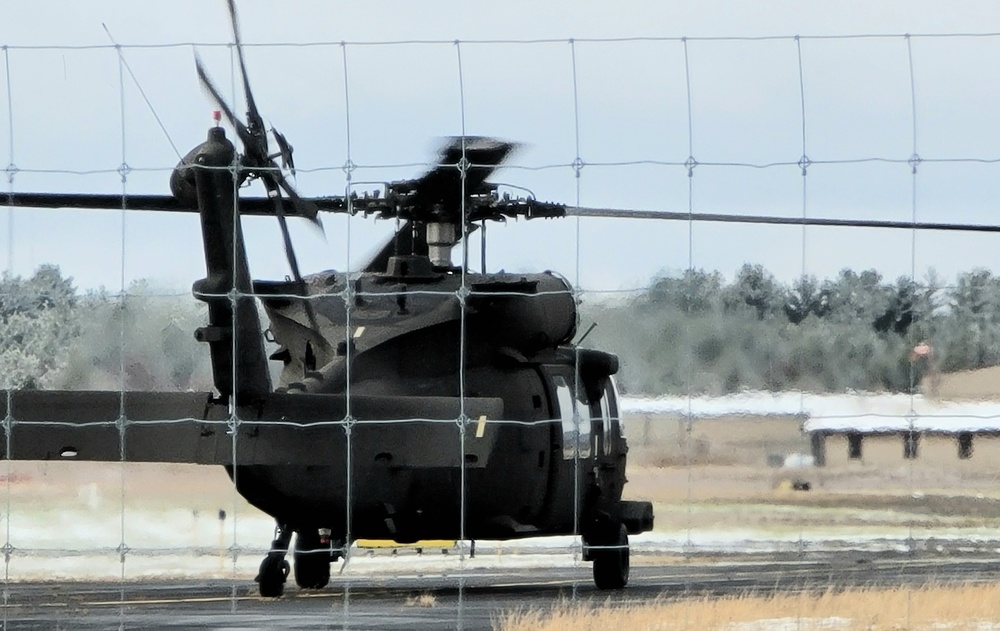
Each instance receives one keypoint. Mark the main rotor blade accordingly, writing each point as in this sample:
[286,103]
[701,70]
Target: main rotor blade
[166,203]
[621,213]
[483,154]
[400,241]
[338,204]
[443,186]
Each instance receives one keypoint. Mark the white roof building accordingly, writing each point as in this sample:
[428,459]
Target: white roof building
[836,413]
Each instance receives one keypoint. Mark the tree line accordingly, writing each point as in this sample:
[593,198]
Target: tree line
[697,332]
[53,337]
[693,332]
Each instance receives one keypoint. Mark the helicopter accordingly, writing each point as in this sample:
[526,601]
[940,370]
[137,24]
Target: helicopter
[417,399]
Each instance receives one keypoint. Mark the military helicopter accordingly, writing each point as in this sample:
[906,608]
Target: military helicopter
[501,426]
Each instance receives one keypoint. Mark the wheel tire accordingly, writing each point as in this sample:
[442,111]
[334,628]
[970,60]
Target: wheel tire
[312,562]
[611,567]
[271,576]
[312,569]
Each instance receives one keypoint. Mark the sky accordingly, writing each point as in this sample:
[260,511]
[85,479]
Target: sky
[613,87]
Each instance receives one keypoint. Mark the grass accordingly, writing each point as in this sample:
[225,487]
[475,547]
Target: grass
[423,599]
[937,608]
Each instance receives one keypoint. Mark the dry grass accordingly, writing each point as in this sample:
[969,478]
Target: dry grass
[968,385]
[62,485]
[423,599]
[934,607]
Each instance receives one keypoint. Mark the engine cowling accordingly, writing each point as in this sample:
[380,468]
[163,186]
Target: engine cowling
[527,312]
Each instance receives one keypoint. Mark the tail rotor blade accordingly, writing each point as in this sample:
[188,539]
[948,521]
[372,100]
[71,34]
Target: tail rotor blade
[254,120]
[286,151]
[305,207]
[257,161]
[209,86]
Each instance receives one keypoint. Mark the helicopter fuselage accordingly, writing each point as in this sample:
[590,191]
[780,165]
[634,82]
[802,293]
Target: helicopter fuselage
[552,460]
[543,452]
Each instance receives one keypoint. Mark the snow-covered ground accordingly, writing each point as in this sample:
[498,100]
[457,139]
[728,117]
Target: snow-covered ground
[88,545]
[860,411]
[91,538]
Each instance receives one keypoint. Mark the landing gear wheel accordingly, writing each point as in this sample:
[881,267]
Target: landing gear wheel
[312,563]
[272,575]
[274,568]
[611,565]
[312,571]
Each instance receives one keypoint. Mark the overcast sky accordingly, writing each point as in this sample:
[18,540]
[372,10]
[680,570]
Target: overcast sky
[620,106]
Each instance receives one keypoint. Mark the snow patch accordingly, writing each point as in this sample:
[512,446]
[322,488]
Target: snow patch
[834,412]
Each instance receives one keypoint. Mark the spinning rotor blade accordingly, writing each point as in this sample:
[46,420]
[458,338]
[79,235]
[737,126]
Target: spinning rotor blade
[621,213]
[484,155]
[255,145]
[400,240]
[443,183]
[286,151]
[303,207]
[261,206]
[254,120]
[257,161]
[209,86]
[164,203]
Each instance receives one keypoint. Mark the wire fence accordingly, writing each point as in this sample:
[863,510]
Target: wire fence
[867,151]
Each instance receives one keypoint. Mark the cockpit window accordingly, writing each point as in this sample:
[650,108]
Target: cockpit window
[575,421]
[606,420]
[607,408]
[617,424]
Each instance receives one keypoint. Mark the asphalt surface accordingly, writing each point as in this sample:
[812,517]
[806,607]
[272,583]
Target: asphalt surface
[469,601]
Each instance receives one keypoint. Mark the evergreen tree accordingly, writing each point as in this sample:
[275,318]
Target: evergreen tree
[37,323]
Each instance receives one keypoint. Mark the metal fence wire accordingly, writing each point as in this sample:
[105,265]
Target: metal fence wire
[673,156]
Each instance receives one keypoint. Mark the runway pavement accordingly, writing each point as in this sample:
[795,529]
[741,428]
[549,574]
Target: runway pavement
[469,600]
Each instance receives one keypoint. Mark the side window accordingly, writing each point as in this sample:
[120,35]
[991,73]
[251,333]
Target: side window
[575,421]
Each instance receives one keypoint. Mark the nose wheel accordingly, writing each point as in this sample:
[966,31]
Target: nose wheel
[274,568]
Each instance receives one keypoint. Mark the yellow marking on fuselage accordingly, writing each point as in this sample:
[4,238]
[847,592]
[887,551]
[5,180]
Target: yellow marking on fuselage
[481,426]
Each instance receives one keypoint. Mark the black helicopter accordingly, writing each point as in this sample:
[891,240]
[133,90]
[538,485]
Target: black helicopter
[501,427]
